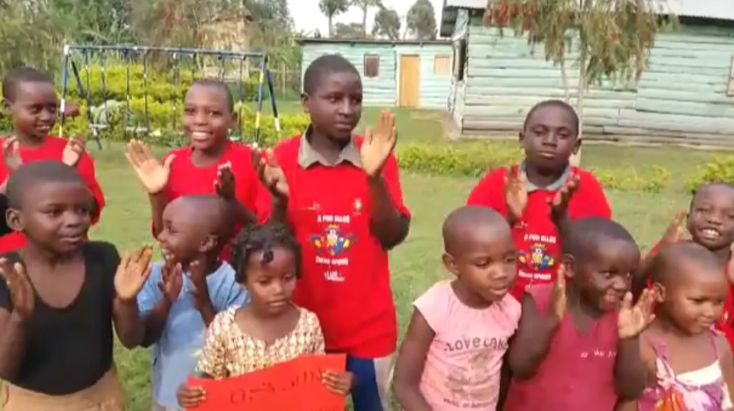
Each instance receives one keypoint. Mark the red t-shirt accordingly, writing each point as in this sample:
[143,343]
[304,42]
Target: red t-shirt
[725,324]
[52,148]
[187,179]
[577,373]
[535,235]
[345,274]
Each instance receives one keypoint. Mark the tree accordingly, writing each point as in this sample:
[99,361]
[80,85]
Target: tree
[387,24]
[365,5]
[348,31]
[421,20]
[332,8]
[612,37]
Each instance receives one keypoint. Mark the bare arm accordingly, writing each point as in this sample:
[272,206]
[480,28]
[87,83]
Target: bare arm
[157,205]
[129,326]
[630,371]
[12,344]
[155,323]
[532,340]
[410,363]
[279,210]
[387,223]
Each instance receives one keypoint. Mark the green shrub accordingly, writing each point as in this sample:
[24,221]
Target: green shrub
[474,160]
[718,170]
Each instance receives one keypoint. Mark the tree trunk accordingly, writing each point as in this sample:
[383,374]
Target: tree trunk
[364,21]
[331,25]
[580,92]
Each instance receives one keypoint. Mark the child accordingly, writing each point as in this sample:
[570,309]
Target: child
[175,310]
[690,364]
[523,194]
[576,348]
[341,195]
[452,353]
[30,98]
[269,330]
[60,297]
[212,163]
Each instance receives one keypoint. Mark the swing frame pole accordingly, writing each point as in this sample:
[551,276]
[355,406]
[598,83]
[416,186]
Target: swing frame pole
[231,54]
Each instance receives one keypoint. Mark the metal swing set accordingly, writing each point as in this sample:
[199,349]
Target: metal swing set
[130,52]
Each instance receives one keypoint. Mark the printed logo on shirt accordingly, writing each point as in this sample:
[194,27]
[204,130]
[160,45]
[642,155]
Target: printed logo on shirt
[536,257]
[332,245]
[490,343]
[598,354]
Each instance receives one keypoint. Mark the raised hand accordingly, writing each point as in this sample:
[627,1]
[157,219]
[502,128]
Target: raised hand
[190,397]
[171,281]
[340,382]
[516,193]
[558,295]
[633,320]
[559,202]
[21,291]
[133,271]
[225,184]
[270,173]
[151,173]
[675,231]
[11,153]
[72,152]
[200,291]
[378,144]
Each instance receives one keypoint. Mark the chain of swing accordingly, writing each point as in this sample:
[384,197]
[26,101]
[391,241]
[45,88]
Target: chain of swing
[129,54]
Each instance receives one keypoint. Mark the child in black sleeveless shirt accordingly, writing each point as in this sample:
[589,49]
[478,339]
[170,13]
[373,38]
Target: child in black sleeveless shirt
[60,297]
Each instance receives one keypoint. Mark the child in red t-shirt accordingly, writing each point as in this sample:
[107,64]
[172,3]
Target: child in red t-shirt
[30,98]
[341,196]
[577,346]
[525,193]
[210,164]
[710,223]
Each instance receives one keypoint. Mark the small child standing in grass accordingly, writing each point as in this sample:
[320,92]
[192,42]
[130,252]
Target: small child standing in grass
[271,329]
[452,354]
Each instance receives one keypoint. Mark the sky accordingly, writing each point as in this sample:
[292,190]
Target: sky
[308,17]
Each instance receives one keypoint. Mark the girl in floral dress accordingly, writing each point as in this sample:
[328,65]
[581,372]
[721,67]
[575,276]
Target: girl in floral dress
[269,330]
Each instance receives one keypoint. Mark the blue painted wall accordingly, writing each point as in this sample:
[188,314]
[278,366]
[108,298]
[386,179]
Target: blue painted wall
[681,97]
[383,90]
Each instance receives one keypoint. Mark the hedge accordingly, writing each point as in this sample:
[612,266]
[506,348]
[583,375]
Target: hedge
[718,170]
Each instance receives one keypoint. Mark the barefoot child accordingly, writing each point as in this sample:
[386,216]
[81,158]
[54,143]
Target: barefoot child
[523,194]
[690,365]
[577,348]
[175,309]
[30,99]
[210,164]
[60,297]
[269,330]
[452,354]
[341,196]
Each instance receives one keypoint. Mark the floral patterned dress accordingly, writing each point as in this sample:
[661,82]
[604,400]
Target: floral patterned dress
[699,390]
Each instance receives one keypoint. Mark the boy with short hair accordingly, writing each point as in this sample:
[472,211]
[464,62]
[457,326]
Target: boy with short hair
[341,195]
[542,191]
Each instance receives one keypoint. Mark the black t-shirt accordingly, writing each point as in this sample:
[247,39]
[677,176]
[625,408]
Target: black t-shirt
[70,349]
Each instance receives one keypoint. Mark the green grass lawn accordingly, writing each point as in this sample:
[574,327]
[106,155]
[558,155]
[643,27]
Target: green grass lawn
[415,264]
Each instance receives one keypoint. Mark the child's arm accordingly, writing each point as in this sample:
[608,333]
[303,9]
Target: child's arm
[226,188]
[410,362]
[16,306]
[534,335]
[132,273]
[86,170]
[156,299]
[12,344]
[157,205]
[390,221]
[726,362]
[630,369]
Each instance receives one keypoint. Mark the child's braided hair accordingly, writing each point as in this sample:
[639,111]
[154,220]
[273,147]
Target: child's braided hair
[262,238]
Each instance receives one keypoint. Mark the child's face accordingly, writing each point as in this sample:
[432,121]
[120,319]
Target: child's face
[711,217]
[34,109]
[693,298]
[604,277]
[486,263]
[183,237]
[336,105]
[549,138]
[207,117]
[54,215]
[271,285]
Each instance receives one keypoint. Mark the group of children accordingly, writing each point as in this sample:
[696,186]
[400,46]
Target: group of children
[270,255]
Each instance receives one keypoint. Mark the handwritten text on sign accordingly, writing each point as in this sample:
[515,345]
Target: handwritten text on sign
[293,386]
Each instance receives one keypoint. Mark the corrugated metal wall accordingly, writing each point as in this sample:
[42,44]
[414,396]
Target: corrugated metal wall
[681,97]
[382,90]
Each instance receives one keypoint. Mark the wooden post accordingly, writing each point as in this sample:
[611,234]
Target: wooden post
[283,78]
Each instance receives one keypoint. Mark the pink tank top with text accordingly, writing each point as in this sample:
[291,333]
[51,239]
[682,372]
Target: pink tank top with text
[577,374]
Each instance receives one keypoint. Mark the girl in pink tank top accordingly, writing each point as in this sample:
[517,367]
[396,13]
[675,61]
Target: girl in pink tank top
[689,364]
[577,346]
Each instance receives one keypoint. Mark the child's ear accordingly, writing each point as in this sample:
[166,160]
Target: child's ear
[658,292]
[6,105]
[569,263]
[577,146]
[305,99]
[210,243]
[235,120]
[520,137]
[450,263]
[14,220]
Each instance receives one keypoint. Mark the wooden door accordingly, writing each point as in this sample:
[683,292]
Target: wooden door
[410,80]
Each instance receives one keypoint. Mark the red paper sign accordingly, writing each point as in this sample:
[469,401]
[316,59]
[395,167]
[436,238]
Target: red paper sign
[292,386]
